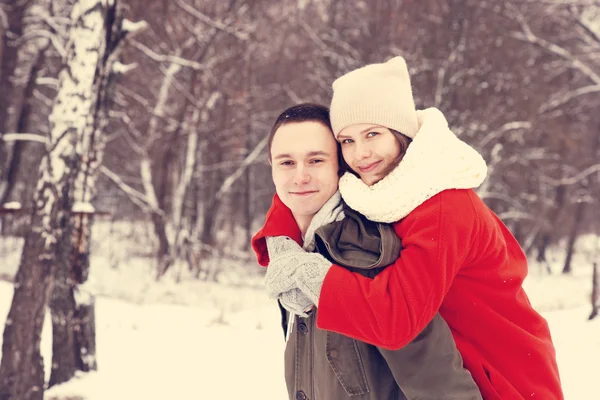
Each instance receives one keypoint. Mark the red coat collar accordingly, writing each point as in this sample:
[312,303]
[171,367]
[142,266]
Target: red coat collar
[279,222]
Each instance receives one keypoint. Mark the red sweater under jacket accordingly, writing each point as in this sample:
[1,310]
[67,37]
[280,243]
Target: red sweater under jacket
[460,259]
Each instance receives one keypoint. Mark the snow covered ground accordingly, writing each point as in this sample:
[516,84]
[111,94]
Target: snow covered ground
[195,340]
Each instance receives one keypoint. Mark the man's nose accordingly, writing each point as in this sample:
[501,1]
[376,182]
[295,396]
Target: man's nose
[301,176]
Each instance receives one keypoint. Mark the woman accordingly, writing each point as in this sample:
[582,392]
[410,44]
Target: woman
[458,258]
[326,365]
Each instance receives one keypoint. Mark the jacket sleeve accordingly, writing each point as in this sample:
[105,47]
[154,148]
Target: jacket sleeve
[391,309]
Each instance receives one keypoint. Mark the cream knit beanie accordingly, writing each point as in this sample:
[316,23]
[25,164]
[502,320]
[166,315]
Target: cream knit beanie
[375,94]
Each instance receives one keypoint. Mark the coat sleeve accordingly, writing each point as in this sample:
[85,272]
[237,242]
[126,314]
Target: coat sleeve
[391,309]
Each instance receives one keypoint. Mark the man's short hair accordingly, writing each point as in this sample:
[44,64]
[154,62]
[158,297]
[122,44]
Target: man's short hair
[304,112]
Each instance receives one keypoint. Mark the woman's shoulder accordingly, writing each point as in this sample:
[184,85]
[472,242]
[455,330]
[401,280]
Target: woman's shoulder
[458,206]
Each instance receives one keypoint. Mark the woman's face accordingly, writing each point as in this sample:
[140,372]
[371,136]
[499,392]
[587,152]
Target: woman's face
[369,149]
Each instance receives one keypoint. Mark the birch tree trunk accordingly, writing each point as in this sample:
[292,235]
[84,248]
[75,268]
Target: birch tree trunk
[49,243]
[72,304]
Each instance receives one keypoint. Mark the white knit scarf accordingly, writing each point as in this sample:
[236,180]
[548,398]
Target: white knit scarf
[436,160]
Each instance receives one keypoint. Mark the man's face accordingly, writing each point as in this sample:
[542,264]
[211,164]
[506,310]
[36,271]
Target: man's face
[304,165]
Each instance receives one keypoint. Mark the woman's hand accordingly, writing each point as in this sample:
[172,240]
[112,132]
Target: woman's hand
[293,268]
[296,302]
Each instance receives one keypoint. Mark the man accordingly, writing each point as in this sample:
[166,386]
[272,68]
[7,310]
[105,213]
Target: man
[319,364]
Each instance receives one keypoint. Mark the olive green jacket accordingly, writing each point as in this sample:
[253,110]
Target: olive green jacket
[323,365]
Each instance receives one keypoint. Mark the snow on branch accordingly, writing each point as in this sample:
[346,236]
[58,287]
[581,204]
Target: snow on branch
[592,30]
[31,137]
[47,81]
[133,27]
[122,69]
[83,208]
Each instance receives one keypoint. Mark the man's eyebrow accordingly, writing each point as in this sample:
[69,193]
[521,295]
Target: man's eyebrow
[318,153]
[283,155]
[309,154]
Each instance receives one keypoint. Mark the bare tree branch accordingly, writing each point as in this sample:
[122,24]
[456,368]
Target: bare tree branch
[3,19]
[41,33]
[502,130]
[135,196]
[574,179]
[592,33]
[170,59]
[220,25]
[230,180]
[569,96]
[528,36]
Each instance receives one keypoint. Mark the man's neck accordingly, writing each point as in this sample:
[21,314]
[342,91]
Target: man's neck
[303,222]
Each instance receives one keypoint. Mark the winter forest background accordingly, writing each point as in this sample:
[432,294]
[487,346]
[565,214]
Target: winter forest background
[133,173]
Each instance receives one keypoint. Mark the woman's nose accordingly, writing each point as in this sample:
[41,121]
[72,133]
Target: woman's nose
[363,152]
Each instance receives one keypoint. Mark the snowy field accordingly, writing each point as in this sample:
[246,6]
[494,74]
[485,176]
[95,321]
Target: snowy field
[195,340]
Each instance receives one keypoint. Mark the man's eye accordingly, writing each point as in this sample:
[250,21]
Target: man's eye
[317,160]
[347,141]
[287,163]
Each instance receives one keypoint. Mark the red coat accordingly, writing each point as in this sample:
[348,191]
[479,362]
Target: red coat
[460,259]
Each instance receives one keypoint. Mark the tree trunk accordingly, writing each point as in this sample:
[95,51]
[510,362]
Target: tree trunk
[8,56]
[17,123]
[73,310]
[49,242]
[543,243]
[72,305]
[163,255]
[578,219]
[248,186]
[595,292]
[15,62]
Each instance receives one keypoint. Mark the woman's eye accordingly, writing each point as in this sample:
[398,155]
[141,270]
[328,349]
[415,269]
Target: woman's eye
[346,141]
[371,134]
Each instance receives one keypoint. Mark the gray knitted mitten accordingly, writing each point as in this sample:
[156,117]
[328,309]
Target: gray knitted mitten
[284,256]
[309,277]
[295,301]
[291,267]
